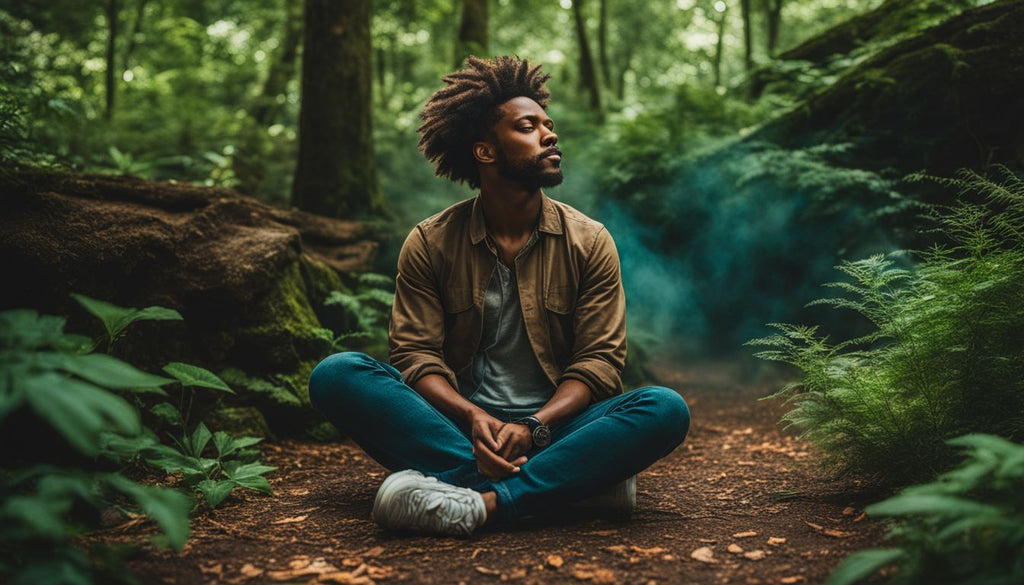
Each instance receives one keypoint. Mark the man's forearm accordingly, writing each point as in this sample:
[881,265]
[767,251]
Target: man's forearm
[440,394]
[570,398]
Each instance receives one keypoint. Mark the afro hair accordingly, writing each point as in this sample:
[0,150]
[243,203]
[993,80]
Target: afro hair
[466,109]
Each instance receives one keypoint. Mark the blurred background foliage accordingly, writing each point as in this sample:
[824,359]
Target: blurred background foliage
[666,119]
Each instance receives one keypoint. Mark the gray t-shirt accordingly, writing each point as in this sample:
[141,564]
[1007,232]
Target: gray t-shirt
[505,375]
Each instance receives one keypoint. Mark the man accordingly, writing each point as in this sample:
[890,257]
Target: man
[507,337]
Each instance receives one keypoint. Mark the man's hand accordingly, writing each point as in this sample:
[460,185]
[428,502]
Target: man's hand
[514,440]
[488,446]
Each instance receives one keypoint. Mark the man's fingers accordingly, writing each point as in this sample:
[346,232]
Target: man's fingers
[489,461]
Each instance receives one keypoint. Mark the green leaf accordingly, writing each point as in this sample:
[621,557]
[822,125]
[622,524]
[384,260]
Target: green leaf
[215,491]
[27,329]
[167,413]
[80,411]
[246,471]
[228,445]
[200,438]
[862,565]
[116,319]
[168,507]
[105,371]
[194,376]
[123,447]
[257,483]
[931,505]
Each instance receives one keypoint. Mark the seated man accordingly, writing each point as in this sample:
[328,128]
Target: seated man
[507,337]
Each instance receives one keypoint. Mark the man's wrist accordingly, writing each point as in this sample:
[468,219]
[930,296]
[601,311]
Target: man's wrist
[540,433]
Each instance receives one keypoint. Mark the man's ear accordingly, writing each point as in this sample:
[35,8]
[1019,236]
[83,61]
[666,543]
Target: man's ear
[484,152]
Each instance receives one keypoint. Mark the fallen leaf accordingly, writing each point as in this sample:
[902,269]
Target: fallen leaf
[657,550]
[616,548]
[668,557]
[485,571]
[344,578]
[814,526]
[790,580]
[476,552]
[587,572]
[373,552]
[555,561]
[248,570]
[746,534]
[775,541]
[848,511]
[734,548]
[602,532]
[862,516]
[836,533]
[704,555]
[754,555]
[291,520]
[215,569]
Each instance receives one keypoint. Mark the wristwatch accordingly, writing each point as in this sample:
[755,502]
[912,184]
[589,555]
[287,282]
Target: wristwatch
[540,432]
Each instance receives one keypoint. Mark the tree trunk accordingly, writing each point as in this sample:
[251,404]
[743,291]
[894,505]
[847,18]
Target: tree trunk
[602,44]
[473,31]
[336,174]
[140,11]
[773,10]
[588,76]
[748,60]
[283,69]
[718,47]
[111,80]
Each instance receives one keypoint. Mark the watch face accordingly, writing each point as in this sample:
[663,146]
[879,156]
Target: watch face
[541,436]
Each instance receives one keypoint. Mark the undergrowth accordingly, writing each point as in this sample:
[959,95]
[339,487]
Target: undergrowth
[72,468]
[945,355]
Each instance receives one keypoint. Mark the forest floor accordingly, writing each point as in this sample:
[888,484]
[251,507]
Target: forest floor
[741,501]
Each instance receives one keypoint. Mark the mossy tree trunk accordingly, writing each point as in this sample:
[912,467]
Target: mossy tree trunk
[336,174]
[473,38]
[718,47]
[588,74]
[748,49]
[602,44]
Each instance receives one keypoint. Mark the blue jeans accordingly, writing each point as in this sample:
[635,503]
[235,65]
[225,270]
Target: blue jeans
[606,443]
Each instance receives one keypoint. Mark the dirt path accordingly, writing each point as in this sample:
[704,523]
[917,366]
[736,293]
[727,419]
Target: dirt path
[739,489]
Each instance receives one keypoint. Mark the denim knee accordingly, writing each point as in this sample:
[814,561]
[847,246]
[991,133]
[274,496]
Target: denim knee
[673,415]
[331,376]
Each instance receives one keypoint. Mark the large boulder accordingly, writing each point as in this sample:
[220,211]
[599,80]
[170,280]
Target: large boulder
[249,279]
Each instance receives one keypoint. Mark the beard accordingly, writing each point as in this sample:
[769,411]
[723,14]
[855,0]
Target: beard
[532,173]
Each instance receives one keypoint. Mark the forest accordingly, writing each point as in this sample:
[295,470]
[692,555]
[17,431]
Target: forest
[818,207]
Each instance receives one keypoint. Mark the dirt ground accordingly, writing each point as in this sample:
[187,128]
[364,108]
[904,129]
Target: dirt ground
[739,502]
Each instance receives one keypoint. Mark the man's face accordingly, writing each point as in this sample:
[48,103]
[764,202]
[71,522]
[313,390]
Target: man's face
[525,145]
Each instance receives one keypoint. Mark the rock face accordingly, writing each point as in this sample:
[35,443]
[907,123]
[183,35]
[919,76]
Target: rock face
[947,98]
[249,279]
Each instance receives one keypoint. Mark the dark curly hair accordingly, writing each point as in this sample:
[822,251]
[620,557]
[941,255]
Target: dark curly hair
[466,109]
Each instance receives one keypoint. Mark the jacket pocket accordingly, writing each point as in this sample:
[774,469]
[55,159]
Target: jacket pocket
[560,299]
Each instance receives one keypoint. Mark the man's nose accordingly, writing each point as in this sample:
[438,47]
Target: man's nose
[549,139]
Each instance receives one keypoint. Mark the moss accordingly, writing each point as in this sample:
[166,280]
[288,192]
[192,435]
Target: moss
[282,338]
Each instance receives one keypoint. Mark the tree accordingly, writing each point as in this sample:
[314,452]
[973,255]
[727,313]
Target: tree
[283,69]
[588,75]
[602,44]
[111,78]
[748,59]
[336,174]
[773,12]
[473,38]
[718,44]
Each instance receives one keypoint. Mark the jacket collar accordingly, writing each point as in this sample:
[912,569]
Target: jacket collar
[550,221]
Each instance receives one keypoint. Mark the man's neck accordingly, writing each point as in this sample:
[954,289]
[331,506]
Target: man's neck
[510,211]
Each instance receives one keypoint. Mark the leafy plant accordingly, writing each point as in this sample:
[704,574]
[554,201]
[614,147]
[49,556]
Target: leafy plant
[117,319]
[945,355]
[366,313]
[965,527]
[52,373]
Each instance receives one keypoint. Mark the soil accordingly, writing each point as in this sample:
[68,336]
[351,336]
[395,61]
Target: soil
[741,501]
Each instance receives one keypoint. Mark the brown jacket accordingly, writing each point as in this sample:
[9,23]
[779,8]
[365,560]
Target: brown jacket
[569,287]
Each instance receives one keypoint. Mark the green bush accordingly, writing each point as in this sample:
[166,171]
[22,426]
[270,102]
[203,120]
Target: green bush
[93,401]
[967,527]
[945,355]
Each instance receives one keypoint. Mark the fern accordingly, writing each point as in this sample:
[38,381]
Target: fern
[946,353]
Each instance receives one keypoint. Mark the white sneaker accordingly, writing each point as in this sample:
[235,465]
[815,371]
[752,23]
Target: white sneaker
[408,500]
[619,500]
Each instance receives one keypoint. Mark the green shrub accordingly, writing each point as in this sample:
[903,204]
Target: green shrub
[82,395]
[945,355]
[966,527]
